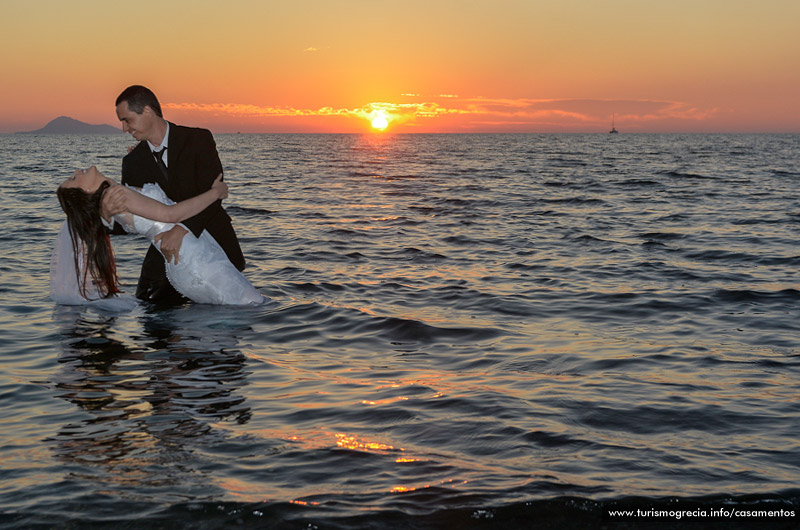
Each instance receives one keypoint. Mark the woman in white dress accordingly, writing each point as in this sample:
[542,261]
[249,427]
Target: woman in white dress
[201,272]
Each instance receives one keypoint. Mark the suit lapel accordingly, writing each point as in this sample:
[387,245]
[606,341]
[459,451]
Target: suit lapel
[175,146]
[177,143]
[149,167]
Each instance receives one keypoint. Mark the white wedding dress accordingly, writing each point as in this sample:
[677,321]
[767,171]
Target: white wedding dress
[203,273]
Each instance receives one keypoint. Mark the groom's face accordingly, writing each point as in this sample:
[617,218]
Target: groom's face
[140,126]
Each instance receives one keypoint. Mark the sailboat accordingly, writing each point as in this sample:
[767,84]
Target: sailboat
[613,129]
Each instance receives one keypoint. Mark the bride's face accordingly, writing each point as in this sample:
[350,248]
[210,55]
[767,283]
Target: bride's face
[88,179]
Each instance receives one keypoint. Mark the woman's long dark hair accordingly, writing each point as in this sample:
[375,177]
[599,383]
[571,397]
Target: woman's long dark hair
[90,238]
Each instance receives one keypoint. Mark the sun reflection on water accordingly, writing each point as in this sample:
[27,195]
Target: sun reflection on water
[351,442]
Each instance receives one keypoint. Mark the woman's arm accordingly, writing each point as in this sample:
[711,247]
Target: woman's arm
[151,209]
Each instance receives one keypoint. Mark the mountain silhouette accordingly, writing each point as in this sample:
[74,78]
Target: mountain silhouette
[65,125]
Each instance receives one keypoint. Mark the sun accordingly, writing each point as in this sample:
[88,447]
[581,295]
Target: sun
[380,122]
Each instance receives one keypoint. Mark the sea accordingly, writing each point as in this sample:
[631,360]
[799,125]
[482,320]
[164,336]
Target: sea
[468,331]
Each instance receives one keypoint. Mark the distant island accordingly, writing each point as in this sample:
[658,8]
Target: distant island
[65,125]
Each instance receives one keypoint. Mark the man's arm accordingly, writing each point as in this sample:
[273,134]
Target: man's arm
[203,166]
[206,166]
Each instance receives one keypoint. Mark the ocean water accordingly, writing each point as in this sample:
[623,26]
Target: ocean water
[471,331]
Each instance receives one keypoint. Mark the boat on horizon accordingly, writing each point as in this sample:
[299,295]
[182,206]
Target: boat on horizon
[613,129]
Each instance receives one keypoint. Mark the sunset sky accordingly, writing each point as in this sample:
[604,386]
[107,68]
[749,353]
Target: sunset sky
[424,66]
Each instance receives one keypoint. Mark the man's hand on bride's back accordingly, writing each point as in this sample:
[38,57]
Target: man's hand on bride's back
[220,187]
[113,202]
[171,242]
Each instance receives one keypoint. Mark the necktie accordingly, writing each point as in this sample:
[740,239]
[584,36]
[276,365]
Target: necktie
[160,161]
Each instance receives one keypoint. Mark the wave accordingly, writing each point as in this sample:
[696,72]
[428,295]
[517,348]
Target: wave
[401,330]
[573,200]
[429,508]
[785,296]
[348,325]
[640,183]
[419,256]
[235,211]
[687,175]
[662,236]
[714,255]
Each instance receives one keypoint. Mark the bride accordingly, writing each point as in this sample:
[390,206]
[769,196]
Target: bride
[83,268]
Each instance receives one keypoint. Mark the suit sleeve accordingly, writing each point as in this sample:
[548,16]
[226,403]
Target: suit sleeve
[126,170]
[133,169]
[206,167]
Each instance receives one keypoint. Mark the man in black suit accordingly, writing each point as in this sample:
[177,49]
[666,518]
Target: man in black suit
[184,162]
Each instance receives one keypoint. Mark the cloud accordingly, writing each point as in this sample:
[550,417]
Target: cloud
[311,49]
[578,115]
[237,109]
[588,110]
[424,110]
[566,114]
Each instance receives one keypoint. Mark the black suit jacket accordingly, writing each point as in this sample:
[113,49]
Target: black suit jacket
[193,164]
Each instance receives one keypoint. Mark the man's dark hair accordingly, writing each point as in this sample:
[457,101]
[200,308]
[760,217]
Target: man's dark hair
[137,97]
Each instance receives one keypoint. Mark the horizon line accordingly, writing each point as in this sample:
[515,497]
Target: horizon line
[409,133]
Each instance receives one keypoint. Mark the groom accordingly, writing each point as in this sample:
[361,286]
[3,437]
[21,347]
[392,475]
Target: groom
[184,162]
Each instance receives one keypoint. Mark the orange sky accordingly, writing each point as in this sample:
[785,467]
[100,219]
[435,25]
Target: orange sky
[427,66]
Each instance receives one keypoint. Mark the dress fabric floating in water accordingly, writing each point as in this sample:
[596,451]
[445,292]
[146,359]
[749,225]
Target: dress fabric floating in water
[64,287]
